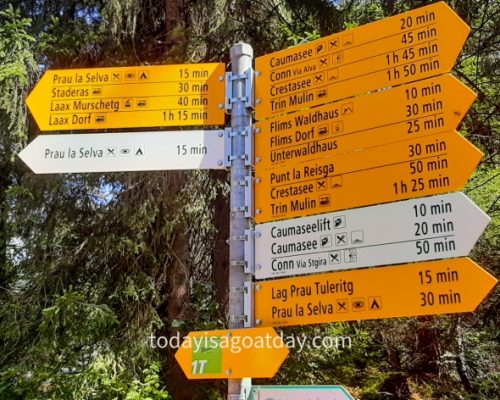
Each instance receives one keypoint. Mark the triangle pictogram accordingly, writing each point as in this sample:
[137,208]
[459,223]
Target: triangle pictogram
[374,305]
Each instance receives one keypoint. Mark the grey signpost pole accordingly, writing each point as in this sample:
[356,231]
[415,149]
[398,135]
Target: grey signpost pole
[240,101]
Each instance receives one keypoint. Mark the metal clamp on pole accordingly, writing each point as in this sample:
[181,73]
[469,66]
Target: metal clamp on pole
[249,147]
[249,251]
[228,148]
[237,318]
[248,294]
[249,197]
[249,305]
[248,155]
[249,88]
[238,263]
[236,238]
[248,98]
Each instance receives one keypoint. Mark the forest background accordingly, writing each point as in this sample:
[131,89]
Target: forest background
[91,265]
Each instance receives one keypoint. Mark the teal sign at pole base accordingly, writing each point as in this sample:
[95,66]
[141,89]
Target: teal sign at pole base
[325,392]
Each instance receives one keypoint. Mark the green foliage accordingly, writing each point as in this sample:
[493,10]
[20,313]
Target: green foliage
[92,265]
[297,39]
[87,329]
[484,189]
[120,17]
[75,41]
[104,378]
[118,385]
[14,45]
[16,66]
[363,13]
[71,322]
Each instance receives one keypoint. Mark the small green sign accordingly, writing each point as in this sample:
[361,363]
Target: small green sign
[207,355]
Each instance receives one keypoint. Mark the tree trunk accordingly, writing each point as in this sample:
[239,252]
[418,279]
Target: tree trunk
[4,184]
[428,346]
[178,299]
[460,361]
[176,290]
[173,15]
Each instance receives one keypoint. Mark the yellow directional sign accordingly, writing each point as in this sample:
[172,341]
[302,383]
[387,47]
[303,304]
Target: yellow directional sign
[423,166]
[421,108]
[430,288]
[399,49]
[127,97]
[235,354]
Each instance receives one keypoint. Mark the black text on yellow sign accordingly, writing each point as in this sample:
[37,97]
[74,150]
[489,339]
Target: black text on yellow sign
[417,109]
[126,97]
[400,49]
[428,165]
[428,288]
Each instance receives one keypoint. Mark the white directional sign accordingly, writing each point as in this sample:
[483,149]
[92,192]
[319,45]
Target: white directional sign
[414,230]
[133,151]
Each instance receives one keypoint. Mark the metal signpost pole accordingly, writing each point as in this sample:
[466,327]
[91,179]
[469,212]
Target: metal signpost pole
[239,101]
